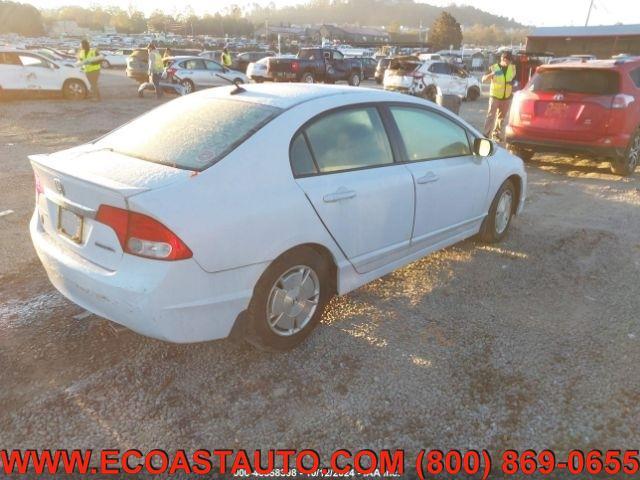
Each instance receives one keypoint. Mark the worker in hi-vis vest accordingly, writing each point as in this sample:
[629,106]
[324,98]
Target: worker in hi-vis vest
[90,61]
[225,58]
[156,67]
[502,76]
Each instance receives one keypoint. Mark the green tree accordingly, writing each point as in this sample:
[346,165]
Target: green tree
[20,18]
[444,32]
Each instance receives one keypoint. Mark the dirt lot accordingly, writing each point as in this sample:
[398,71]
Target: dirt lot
[533,343]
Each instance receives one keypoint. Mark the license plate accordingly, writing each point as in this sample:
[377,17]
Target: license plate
[70,225]
[556,110]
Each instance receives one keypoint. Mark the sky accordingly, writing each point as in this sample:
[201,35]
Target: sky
[538,12]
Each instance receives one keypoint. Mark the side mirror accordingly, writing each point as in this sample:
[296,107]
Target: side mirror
[482,147]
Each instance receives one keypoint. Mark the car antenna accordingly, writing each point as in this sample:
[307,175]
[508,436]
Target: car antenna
[235,82]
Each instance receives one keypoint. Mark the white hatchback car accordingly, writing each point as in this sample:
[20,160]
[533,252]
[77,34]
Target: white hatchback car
[27,71]
[246,209]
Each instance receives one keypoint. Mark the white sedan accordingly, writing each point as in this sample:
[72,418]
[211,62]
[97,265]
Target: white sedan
[116,59]
[247,209]
[27,71]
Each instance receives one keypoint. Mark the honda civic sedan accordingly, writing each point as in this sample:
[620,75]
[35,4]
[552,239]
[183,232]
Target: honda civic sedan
[243,210]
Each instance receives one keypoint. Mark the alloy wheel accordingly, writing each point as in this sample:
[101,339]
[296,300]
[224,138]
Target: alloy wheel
[503,212]
[293,300]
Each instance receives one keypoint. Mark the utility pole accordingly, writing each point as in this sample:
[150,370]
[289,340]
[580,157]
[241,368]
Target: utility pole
[589,13]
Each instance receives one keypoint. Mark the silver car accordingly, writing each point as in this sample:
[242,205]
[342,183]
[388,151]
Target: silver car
[195,73]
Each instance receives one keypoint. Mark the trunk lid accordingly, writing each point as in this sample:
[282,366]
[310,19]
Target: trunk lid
[72,185]
[568,104]
[400,73]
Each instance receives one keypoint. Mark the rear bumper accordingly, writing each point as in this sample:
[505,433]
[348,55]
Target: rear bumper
[610,146]
[173,301]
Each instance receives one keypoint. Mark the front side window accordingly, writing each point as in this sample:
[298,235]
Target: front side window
[216,67]
[349,139]
[8,58]
[190,132]
[635,76]
[428,135]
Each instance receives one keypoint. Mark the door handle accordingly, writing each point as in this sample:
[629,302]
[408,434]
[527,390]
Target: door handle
[340,194]
[428,177]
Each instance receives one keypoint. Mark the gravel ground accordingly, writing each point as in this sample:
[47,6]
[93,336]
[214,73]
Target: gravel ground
[533,343]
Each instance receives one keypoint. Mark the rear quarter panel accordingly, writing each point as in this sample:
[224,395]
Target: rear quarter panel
[247,208]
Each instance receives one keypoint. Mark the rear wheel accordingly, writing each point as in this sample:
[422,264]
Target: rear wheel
[238,80]
[496,223]
[74,90]
[105,64]
[307,77]
[626,165]
[288,300]
[378,80]
[523,153]
[354,79]
[188,86]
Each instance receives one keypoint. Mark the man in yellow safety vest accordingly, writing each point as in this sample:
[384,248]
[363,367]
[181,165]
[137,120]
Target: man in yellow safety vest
[156,67]
[90,61]
[502,76]
[225,58]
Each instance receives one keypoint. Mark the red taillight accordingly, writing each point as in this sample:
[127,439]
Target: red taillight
[417,75]
[171,71]
[622,100]
[295,66]
[142,235]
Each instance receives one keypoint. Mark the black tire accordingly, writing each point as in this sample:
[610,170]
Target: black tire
[188,85]
[473,94]
[489,231]
[74,90]
[524,153]
[430,93]
[378,81]
[307,77]
[354,79]
[258,332]
[626,165]
[105,64]
[238,81]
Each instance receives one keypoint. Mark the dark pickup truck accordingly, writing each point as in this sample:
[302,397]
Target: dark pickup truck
[316,65]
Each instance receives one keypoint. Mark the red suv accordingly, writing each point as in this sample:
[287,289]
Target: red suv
[582,108]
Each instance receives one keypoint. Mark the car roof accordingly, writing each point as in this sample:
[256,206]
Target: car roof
[608,64]
[288,95]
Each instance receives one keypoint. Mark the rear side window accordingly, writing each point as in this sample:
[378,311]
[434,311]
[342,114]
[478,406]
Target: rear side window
[428,135]
[349,139]
[301,160]
[635,76]
[440,68]
[190,132]
[588,81]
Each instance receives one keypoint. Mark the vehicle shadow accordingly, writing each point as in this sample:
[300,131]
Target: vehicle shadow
[574,166]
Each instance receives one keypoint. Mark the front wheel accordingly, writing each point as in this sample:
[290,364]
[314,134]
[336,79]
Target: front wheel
[74,90]
[188,86]
[238,81]
[288,300]
[497,222]
[626,165]
[354,79]
[105,64]
[430,93]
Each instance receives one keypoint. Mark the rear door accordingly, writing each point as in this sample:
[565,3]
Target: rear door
[345,164]
[451,183]
[571,103]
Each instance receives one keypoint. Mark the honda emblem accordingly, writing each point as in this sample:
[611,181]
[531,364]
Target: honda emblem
[558,97]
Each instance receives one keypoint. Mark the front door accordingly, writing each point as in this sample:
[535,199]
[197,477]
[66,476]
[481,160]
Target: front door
[216,73]
[344,163]
[451,183]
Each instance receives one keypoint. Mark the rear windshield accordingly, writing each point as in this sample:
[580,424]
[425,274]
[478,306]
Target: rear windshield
[190,132]
[589,81]
[404,65]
